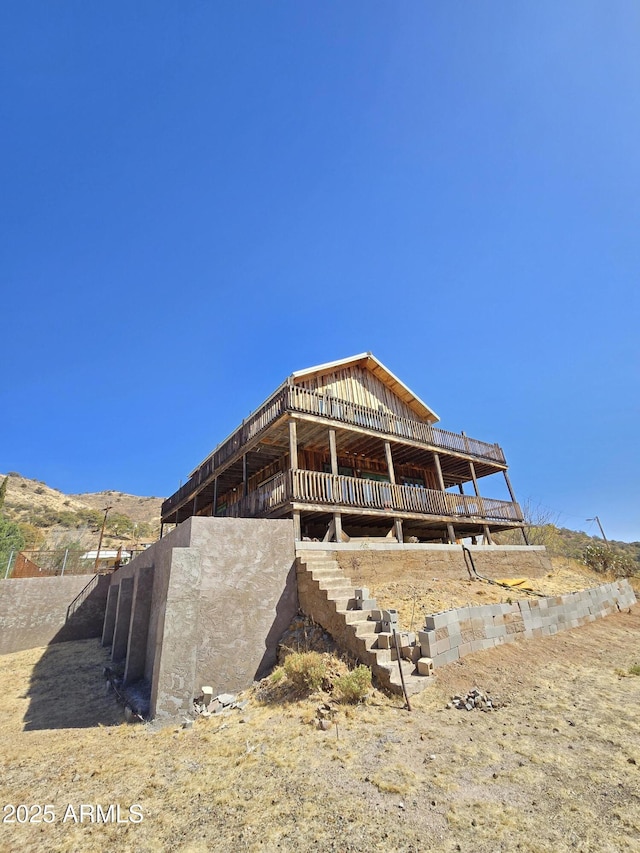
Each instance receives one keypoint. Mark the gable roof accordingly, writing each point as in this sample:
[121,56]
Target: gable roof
[370,362]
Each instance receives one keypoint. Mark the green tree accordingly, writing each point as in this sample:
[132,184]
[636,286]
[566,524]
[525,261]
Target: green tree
[11,539]
[3,492]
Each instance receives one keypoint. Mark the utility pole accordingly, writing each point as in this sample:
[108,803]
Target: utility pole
[104,524]
[600,526]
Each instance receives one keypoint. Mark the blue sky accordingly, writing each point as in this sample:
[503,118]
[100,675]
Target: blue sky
[200,197]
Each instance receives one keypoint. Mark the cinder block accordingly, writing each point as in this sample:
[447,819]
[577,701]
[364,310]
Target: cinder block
[446,657]
[442,646]
[366,603]
[362,592]
[385,640]
[425,666]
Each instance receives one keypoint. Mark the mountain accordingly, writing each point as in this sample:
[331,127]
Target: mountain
[48,518]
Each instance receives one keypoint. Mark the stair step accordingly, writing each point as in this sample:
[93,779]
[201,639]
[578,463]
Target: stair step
[352,616]
[338,592]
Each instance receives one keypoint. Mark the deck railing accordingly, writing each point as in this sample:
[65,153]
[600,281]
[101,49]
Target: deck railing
[294,399]
[316,487]
[302,400]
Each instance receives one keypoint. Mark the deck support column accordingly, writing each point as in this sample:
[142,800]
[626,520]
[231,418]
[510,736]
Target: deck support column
[293,465]
[333,450]
[214,503]
[245,479]
[450,531]
[392,479]
[161,529]
[293,445]
[297,527]
[513,498]
[195,505]
[487,535]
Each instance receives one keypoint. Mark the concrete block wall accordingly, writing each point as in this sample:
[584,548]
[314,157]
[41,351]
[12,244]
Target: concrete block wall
[452,634]
[34,611]
[207,604]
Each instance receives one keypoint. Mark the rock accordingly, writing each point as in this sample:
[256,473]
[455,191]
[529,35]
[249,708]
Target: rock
[207,693]
[226,698]
[324,725]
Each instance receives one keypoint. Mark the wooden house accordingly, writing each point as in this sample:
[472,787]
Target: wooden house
[346,450]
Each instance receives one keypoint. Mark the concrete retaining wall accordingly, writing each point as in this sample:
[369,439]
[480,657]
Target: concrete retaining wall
[207,604]
[455,633]
[371,563]
[33,611]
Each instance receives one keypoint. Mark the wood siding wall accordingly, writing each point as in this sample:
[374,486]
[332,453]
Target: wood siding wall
[356,385]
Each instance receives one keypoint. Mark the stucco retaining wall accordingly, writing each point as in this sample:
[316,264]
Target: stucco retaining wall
[452,634]
[33,611]
[223,592]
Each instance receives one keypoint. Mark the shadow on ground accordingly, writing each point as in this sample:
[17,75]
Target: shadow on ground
[67,689]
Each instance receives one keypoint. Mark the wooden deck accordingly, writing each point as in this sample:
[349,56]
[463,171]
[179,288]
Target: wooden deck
[329,491]
[306,404]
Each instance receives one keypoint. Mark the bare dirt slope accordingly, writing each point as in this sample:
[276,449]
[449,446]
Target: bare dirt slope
[556,768]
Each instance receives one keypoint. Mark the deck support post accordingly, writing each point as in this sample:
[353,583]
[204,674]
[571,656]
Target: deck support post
[195,505]
[487,535]
[450,531]
[245,479]
[293,465]
[293,445]
[161,529]
[436,459]
[513,498]
[214,503]
[333,450]
[472,469]
[392,479]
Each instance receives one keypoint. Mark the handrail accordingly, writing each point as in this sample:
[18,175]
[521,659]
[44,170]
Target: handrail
[82,596]
[317,487]
[311,402]
[296,399]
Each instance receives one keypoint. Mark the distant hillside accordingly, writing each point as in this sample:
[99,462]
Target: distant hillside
[49,518]
[562,542]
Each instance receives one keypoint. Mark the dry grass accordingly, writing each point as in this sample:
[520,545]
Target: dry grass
[416,597]
[556,769]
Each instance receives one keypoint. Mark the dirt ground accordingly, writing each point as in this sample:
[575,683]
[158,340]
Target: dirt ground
[555,768]
[416,597]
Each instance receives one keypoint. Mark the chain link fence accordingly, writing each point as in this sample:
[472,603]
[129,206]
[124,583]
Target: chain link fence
[64,561]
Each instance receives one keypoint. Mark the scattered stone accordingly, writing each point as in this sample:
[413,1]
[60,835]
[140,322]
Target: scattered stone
[226,698]
[188,724]
[474,699]
[324,725]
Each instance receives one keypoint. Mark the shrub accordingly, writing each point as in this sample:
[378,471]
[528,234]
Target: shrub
[354,686]
[305,670]
[607,560]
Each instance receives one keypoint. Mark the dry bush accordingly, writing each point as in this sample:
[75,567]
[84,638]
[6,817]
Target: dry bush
[354,686]
[305,670]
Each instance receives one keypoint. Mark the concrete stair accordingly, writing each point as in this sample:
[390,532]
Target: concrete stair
[328,596]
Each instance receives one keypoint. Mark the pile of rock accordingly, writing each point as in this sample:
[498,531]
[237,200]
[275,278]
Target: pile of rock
[206,705]
[474,699]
